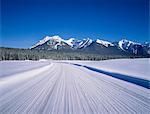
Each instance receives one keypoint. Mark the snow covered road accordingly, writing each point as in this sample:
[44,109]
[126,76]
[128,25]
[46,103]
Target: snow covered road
[61,88]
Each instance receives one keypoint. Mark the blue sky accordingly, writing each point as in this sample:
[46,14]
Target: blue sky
[24,22]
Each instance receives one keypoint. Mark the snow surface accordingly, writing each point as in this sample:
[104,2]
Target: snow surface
[12,67]
[135,67]
[64,88]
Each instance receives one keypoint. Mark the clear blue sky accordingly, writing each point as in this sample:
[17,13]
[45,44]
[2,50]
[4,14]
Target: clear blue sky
[24,22]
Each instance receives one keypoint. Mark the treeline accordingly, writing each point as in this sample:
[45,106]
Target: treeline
[27,54]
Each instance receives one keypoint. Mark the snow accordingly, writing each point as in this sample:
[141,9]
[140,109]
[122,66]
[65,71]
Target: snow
[23,75]
[57,87]
[78,43]
[12,67]
[41,42]
[121,42]
[134,67]
[43,60]
[104,43]
[85,43]
[70,41]
[47,38]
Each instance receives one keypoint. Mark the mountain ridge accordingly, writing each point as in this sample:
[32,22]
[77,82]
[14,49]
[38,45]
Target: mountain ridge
[88,45]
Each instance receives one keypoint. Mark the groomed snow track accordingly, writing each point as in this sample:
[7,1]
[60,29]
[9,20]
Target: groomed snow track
[61,88]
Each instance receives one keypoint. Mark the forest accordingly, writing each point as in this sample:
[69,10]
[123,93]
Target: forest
[28,54]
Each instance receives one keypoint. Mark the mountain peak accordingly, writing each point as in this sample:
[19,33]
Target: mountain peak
[47,38]
[70,41]
[104,43]
[129,41]
[124,44]
[56,38]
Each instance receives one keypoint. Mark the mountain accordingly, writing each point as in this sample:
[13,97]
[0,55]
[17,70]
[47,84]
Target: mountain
[57,43]
[133,47]
[105,43]
[102,47]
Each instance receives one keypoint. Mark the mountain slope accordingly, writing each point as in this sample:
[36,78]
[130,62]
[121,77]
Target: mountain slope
[103,50]
[133,47]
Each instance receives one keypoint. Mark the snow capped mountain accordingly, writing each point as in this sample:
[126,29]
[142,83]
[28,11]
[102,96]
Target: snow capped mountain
[74,43]
[84,43]
[104,43]
[146,47]
[70,41]
[125,44]
[130,46]
[56,41]
[47,38]
[96,46]
[147,44]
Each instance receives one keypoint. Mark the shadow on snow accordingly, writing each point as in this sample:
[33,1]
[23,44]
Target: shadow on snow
[138,81]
